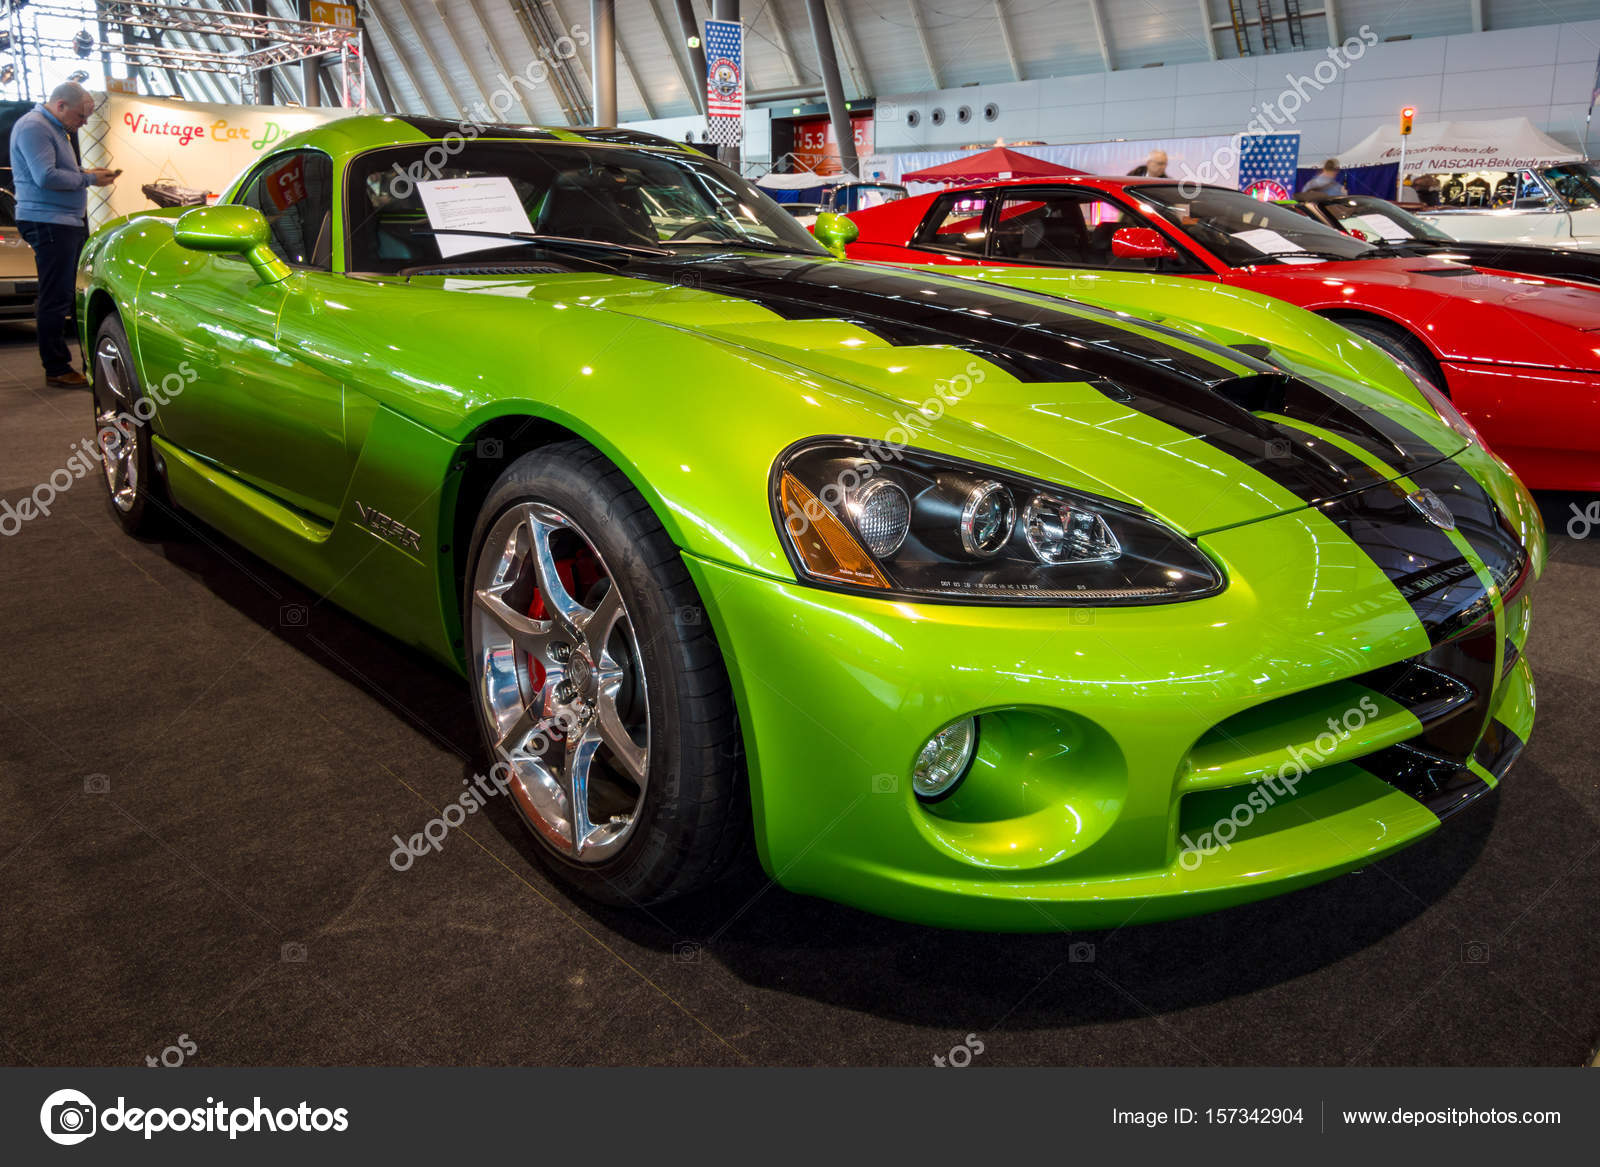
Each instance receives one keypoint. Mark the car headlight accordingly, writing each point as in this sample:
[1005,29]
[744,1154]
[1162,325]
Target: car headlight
[1442,405]
[908,523]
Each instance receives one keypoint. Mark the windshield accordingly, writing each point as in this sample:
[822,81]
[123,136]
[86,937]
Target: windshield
[1381,221]
[1577,182]
[399,197]
[1241,231]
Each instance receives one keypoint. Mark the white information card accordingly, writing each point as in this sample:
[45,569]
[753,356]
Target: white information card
[473,204]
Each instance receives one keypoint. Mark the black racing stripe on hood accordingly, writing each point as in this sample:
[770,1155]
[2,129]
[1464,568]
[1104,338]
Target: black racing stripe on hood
[1040,338]
[1482,524]
[1422,561]
[1434,577]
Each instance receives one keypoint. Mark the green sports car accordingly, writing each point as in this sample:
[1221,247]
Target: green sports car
[1020,600]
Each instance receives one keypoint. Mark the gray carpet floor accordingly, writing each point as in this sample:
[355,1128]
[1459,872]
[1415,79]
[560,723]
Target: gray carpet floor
[201,765]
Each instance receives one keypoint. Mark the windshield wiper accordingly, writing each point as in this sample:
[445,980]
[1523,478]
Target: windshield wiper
[534,240]
[752,244]
[1306,251]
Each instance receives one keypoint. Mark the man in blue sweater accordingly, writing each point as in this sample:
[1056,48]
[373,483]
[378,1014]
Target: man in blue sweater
[52,202]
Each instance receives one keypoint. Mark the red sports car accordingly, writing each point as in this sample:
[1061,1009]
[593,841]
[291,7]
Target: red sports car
[1519,356]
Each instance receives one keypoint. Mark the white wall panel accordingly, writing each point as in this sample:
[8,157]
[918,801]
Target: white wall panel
[1473,76]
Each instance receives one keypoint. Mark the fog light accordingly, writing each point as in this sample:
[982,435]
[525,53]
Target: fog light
[944,760]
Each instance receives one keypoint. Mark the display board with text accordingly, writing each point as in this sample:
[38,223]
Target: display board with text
[177,152]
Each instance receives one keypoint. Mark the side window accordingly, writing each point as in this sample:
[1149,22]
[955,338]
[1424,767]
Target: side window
[295,194]
[954,224]
[1069,228]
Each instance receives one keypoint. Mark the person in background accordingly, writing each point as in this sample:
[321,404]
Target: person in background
[1408,194]
[1427,188]
[1154,166]
[52,204]
[1326,181]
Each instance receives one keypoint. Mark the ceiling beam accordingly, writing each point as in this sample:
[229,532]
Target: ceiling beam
[569,78]
[1005,39]
[469,60]
[633,75]
[689,28]
[852,51]
[780,37]
[676,49]
[500,62]
[376,11]
[372,69]
[292,73]
[1211,37]
[922,39]
[433,58]
[1100,34]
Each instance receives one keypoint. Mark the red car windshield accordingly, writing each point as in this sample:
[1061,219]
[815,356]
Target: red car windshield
[1242,231]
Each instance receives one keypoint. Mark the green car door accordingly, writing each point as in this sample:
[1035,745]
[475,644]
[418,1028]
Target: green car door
[261,405]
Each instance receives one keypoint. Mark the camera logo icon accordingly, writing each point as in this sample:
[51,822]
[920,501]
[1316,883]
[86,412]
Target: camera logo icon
[68,1117]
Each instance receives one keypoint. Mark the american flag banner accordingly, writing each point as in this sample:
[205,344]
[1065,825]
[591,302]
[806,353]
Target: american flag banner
[1267,164]
[724,68]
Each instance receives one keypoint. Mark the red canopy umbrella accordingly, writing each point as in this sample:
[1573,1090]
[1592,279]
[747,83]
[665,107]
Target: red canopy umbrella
[995,162]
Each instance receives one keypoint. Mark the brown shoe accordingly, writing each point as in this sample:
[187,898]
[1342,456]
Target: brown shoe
[71,379]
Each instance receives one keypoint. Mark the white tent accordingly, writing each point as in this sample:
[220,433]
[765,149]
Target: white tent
[805,180]
[1437,147]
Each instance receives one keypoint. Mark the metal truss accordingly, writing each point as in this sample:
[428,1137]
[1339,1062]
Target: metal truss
[137,33]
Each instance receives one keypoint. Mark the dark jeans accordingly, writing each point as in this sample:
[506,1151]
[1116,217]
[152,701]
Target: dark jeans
[56,247]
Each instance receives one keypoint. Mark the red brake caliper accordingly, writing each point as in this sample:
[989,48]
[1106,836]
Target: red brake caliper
[578,573]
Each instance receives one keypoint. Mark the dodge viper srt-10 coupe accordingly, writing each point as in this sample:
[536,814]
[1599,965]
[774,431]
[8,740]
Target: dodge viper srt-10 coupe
[1519,358]
[967,603]
[1396,231]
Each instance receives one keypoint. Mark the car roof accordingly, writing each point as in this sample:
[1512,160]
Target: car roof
[348,136]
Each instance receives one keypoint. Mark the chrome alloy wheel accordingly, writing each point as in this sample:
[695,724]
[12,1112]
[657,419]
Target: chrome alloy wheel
[560,682]
[116,433]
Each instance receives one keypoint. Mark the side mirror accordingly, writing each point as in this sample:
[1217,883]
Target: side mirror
[1141,243]
[836,232]
[236,231]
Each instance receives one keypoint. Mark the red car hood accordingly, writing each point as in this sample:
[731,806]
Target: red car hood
[1565,317]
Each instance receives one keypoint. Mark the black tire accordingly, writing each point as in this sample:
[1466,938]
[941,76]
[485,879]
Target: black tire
[1400,345]
[122,415]
[693,815]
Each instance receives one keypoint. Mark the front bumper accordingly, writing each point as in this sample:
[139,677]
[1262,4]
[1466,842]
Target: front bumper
[1135,763]
[18,298]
